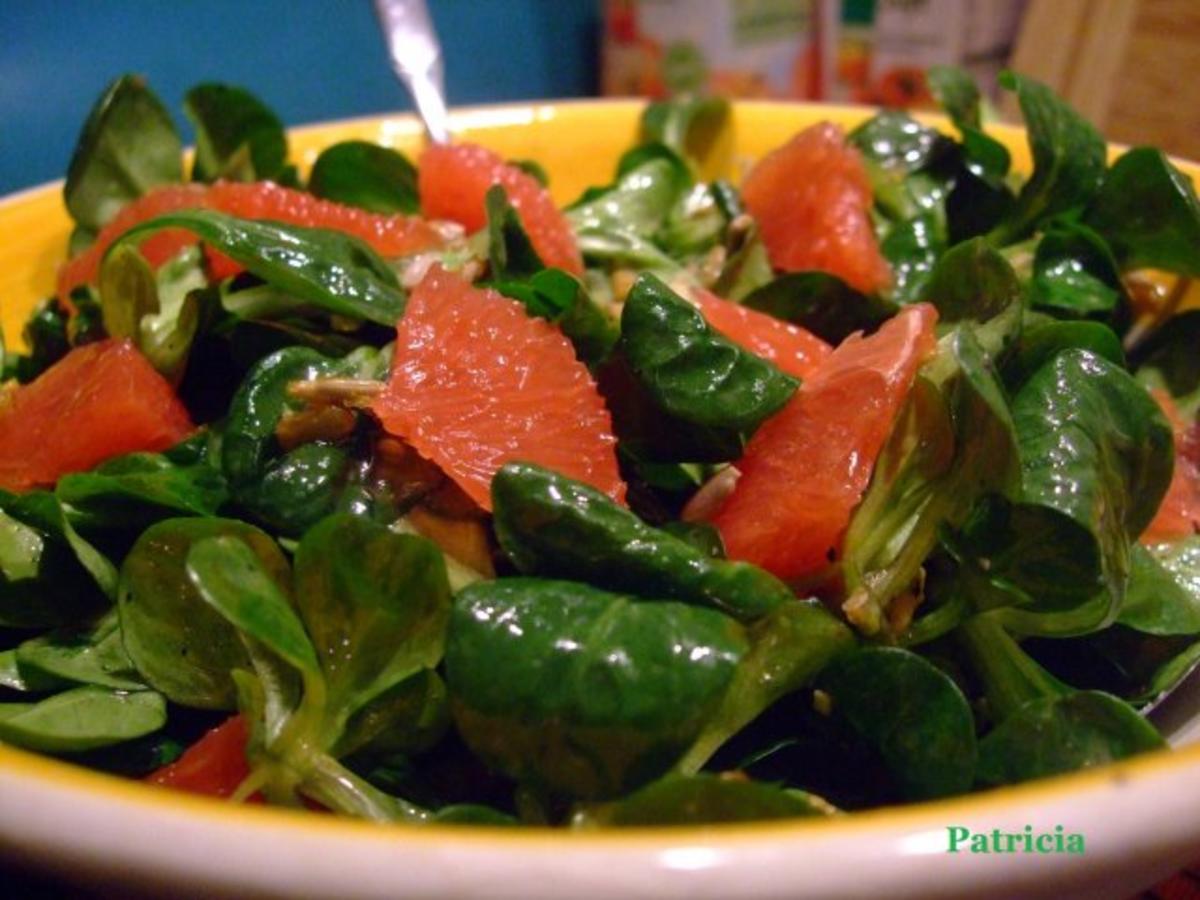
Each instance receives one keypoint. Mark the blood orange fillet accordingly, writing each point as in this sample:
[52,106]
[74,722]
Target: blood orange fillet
[790,347]
[1178,515]
[806,468]
[389,235]
[99,401]
[812,200]
[453,181]
[477,383]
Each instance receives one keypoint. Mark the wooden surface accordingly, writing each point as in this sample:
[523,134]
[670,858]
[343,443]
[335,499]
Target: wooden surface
[1156,94]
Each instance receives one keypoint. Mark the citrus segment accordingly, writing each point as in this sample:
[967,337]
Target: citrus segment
[805,470]
[812,200]
[477,383]
[453,181]
[1178,515]
[99,401]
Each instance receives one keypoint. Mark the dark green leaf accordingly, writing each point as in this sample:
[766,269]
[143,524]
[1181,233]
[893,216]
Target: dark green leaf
[334,271]
[1168,361]
[553,526]
[895,140]
[580,691]
[1095,447]
[692,371]
[128,146]
[1163,596]
[1074,275]
[366,175]
[912,248]
[141,488]
[788,647]
[511,254]
[821,303]
[972,282]
[180,645]
[1063,734]
[700,800]
[375,605]
[45,335]
[409,717]
[1068,159]
[91,656]
[81,719]
[44,512]
[1009,677]
[956,91]
[237,137]
[231,578]
[554,295]
[1148,212]
[41,580]
[1043,338]
[912,712]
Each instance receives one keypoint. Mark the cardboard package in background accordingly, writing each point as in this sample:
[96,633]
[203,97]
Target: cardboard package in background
[867,51]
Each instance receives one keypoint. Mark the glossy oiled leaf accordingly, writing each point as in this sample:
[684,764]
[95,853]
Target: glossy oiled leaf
[81,719]
[912,248]
[1063,734]
[1148,212]
[788,648]
[229,576]
[554,295]
[700,800]
[294,490]
[375,605]
[1163,596]
[45,513]
[619,222]
[238,138]
[334,271]
[141,488]
[692,371]
[1095,447]
[128,146]
[1068,159]
[93,655]
[913,714]
[366,175]
[552,526]
[1043,338]
[582,691]
[41,581]
[180,645]
[1074,275]
[897,141]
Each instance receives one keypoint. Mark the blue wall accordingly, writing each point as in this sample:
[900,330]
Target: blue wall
[308,59]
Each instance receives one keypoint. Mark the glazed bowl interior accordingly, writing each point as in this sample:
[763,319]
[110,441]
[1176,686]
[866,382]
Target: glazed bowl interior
[1139,815]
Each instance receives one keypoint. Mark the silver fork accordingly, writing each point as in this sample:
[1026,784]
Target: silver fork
[417,60]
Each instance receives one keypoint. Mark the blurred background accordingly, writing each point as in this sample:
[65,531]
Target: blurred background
[1126,63]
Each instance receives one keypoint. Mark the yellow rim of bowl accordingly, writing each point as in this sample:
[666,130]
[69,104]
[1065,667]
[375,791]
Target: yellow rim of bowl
[56,774]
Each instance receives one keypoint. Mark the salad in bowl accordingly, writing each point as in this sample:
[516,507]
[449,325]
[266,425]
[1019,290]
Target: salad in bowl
[390,488]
